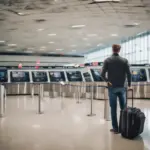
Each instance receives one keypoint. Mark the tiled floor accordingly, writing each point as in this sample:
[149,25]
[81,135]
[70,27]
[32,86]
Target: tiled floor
[64,125]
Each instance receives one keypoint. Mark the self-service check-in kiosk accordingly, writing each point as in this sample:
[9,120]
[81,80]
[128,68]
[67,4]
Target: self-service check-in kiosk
[56,76]
[20,82]
[94,69]
[75,78]
[39,76]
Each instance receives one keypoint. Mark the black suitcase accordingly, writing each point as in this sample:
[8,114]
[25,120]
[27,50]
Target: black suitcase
[131,121]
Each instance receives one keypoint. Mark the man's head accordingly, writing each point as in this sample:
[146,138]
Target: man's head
[116,48]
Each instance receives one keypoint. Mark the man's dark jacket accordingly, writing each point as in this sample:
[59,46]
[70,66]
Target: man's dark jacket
[117,69]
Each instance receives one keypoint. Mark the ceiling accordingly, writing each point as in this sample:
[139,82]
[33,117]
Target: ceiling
[51,26]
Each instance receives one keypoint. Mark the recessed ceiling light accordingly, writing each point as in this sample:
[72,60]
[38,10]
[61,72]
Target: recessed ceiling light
[2,41]
[100,44]
[114,34]
[51,42]
[21,14]
[73,50]
[85,39]
[136,24]
[59,49]
[52,34]
[36,126]
[88,44]
[73,45]
[78,26]
[40,29]
[10,50]
[12,45]
[43,47]
[30,48]
[92,35]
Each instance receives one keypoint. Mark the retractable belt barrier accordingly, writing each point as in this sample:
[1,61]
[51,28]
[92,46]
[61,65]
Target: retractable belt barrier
[76,90]
[78,93]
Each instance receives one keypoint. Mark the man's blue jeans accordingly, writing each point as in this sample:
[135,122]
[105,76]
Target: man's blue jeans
[113,94]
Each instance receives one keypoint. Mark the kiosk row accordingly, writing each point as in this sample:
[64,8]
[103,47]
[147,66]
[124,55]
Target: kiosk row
[24,81]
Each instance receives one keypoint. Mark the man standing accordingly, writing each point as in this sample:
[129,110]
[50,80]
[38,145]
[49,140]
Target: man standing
[117,69]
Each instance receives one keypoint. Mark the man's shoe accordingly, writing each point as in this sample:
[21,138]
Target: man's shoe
[114,131]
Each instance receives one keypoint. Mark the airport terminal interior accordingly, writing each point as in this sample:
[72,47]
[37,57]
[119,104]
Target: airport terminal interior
[52,94]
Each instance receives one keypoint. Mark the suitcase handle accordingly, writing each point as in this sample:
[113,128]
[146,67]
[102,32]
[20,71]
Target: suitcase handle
[127,97]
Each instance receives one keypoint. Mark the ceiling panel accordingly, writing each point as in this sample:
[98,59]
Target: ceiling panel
[32,24]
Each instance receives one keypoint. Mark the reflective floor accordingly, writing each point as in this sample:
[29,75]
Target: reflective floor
[64,125]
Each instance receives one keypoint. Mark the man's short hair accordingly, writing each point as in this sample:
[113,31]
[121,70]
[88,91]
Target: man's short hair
[116,47]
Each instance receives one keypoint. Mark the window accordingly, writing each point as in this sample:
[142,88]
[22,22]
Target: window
[138,75]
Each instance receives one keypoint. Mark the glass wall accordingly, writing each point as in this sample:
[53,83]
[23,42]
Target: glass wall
[136,49]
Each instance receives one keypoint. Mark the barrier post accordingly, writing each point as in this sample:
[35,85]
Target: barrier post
[79,94]
[2,101]
[62,93]
[32,90]
[40,99]
[91,108]
[106,106]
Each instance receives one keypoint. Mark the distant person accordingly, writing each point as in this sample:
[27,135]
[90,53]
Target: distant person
[117,69]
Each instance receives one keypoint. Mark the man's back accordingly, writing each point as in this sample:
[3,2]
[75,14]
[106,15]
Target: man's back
[117,69]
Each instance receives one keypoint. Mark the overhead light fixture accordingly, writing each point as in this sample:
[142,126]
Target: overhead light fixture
[100,44]
[30,48]
[85,39]
[36,126]
[88,44]
[136,24]
[2,43]
[12,45]
[73,45]
[114,34]
[40,30]
[52,34]
[59,49]
[78,26]
[42,48]
[21,14]
[51,42]
[92,35]
[10,50]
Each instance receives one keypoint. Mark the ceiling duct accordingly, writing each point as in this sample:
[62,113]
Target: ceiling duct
[129,26]
[104,1]
[40,20]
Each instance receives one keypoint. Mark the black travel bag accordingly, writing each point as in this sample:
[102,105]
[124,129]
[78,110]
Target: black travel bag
[131,120]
